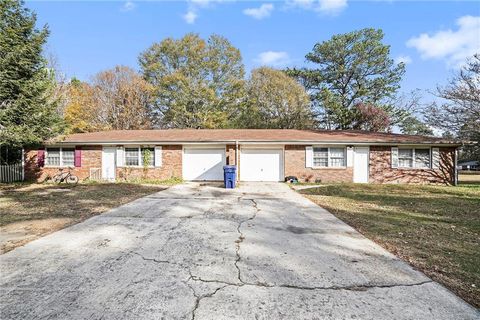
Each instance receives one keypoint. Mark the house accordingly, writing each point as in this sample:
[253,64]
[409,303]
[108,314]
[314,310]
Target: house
[260,155]
[468,165]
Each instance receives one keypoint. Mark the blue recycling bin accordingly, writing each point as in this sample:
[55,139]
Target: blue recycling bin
[229,176]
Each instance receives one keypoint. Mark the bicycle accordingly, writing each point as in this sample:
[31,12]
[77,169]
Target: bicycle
[62,176]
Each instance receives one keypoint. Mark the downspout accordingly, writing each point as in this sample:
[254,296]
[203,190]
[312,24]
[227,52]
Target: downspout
[456,168]
[236,159]
[23,164]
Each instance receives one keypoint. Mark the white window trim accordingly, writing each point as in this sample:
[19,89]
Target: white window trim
[140,165]
[414,162]
[61,165]
[328,156]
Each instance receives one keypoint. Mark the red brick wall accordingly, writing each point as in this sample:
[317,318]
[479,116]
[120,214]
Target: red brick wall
[381,170]
[295,166]
[171,167]
[91,158]
[294,160]
[230,154]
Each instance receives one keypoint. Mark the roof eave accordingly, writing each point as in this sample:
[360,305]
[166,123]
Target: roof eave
[286,142]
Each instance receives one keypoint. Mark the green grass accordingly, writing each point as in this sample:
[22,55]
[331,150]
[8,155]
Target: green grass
[434,228]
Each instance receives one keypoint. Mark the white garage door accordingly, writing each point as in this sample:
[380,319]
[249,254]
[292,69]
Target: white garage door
[261,165]
[203,164]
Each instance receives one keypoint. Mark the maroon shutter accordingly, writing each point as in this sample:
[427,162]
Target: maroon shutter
[40,157]
[78,157]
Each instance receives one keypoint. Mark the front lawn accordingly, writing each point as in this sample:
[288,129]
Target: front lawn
[28,211]
[434,228]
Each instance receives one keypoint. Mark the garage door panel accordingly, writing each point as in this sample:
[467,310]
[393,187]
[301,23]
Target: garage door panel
[203,164]
[261,164]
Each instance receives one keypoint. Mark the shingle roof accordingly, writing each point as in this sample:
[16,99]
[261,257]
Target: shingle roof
[246,135]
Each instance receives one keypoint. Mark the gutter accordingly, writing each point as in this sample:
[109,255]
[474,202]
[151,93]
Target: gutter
[294,142]
[236,162]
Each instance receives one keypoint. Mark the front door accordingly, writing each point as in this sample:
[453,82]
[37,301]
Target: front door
[360,165]
[108,163]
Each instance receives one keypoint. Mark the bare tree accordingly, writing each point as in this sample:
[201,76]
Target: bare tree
[460,114]
[408,117]
[116,99]
[122,99]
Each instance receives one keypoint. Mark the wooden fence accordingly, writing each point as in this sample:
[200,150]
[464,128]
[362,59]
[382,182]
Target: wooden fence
[11,173]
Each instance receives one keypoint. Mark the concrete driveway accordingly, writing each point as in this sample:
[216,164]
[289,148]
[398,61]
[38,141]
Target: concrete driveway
[201,252]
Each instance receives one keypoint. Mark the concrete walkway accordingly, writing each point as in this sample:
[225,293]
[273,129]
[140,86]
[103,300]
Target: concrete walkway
[201,252]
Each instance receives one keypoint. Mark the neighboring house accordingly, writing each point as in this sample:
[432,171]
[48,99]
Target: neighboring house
[260,155]
[468,165]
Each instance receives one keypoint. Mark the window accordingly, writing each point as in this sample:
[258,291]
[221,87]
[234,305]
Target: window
[68,157]
[53,157]
[414,158]
[329,157]
[422,158]
[136,156]
[320,157]
[131,157]
[60,157]
[337,157]
[405,158]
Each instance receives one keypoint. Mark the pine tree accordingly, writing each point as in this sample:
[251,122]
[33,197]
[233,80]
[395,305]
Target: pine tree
[28,113]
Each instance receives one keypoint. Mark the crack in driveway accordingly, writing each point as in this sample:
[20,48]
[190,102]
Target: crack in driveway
[199,298]
[299,287]
[241,236]
[242,282]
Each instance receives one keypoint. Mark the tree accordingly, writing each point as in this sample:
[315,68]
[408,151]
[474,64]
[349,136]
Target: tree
[351,68]
[371,118]
[80,112]
[275,101]
[410,108]
[459,115]
[28,113]
[122,99]
[117,99]
[198,83]
[412,125]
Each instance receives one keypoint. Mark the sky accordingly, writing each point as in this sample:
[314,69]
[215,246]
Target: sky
[433,38]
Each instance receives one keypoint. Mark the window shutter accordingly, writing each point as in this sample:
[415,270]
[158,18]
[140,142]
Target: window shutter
[349,156]
[435,158]
[77,161]
[40,158]
[158,156]
[394,157]
[120,157]
[308,157]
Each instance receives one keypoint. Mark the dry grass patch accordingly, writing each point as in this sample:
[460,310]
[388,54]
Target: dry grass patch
[29,211]
[469,178]
[434,228]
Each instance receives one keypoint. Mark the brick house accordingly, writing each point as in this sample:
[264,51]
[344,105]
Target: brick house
[260,155]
